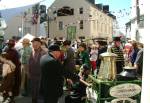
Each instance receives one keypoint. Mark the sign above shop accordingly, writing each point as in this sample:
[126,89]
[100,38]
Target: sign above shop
[125,90]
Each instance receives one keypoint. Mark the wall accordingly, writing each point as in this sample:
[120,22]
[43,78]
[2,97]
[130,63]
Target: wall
[99,25]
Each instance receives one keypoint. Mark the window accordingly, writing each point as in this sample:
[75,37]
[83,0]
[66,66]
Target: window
[81,10]
[65,11]
[60,25]
[81,24]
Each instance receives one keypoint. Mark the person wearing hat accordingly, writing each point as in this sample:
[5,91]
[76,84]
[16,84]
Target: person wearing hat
[15,58]
[53,74]
[34,68]
[25,53]
[9,44]
[116,48]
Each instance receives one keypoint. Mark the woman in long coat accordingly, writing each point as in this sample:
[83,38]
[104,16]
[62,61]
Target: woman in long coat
[14,57]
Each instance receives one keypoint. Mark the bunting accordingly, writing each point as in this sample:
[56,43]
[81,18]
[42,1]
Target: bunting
[118,13]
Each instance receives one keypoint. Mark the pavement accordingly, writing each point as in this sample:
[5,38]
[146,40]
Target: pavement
[21,99]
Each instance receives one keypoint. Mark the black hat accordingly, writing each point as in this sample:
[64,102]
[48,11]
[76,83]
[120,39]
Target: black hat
[54,47]
[116,39]
[37,39]
[102,43]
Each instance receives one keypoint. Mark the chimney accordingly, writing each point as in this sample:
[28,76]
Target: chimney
[99,6]
[92,1]
[106,8]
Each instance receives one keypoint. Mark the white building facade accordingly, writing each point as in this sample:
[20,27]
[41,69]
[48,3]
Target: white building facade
[19,26]
[78,18]
[22,24]
[135,27]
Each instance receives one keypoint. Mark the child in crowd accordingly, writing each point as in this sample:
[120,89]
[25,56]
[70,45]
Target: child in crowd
[93,57]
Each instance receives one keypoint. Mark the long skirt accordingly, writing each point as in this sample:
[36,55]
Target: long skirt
[7,83]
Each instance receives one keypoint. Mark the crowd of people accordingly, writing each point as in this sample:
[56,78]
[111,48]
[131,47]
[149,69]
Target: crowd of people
[41,69]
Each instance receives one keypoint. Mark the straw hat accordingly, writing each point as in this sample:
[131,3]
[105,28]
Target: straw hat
[26,41]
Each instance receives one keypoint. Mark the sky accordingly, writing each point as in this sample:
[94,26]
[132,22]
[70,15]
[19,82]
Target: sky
[120,8]
[9,4]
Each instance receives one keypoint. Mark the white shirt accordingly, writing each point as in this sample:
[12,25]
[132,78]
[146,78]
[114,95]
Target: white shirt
[94,55]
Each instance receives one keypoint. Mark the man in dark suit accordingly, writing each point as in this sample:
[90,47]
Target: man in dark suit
[53,74]
[116,48]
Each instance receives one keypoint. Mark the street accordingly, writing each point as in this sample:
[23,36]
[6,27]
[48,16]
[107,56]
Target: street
[21,99]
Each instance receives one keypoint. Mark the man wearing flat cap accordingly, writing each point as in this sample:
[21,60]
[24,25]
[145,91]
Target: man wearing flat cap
[34,68]
[53,74]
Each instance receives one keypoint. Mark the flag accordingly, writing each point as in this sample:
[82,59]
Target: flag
[35,18]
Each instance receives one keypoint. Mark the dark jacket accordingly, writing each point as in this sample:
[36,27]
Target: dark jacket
[34,64]
[53,74]
[14,57]
[139,62]
[133,55]
[69,61]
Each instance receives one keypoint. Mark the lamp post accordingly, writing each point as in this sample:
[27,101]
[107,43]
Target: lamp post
[49,20]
